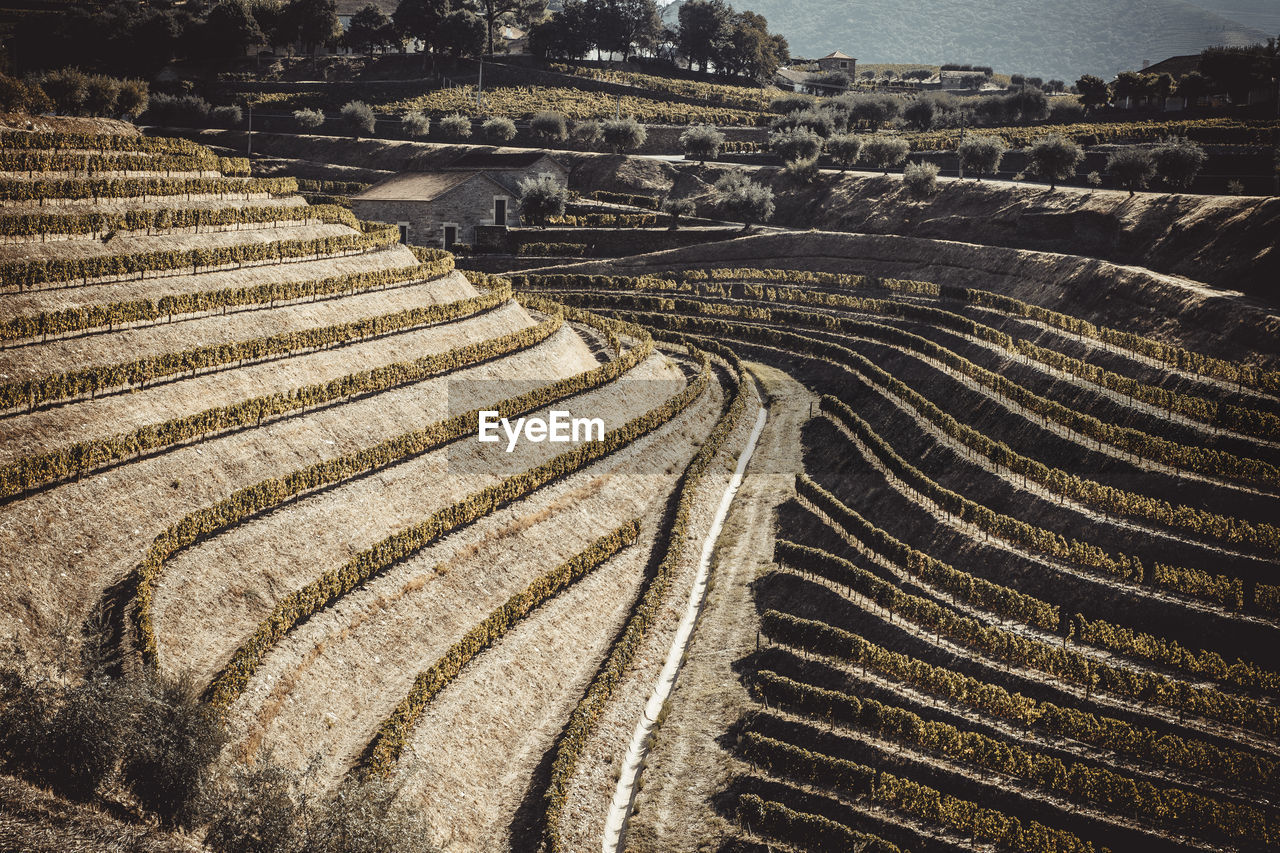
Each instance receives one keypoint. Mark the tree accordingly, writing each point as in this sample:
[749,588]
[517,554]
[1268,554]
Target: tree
[1027,104]
[742,199]
[358,117]
[1133,166]
[588,132]
[845,149]
[20,96]
[368,27]
[362,817]
[704,30]
[981,154]
[796,144]
[542,197]
[132,99]
[549,126]
[624,134]
[1241,69]
[1178,160]
[308,119]
[101,94]
[566,34]
[455,126]
[1093,92]
[415,123]
[875,110]
[677,208]
[315,22]
[1134,86]
[67,88]
[701,142]
[461,33]
[494,13]
[921,179]
[787,104]
[750,50]
[421,20]
[253,811]
[1054,158]
[920,113]
[885,152]
[231,30]
[499,129]
[621,26]
[821,122]
[1193,87]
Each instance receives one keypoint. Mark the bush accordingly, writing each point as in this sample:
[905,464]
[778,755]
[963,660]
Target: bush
[549,126]
[742,199]
[455,126]
[588,133]
[1094,180]
[226,116]
[1178,161]
[549,250]
[1133,166]
[499,129]
[845,149]
[67,88]
[361,817]
[181,110]
[788,104]
[821,122]
[798,143]
[415,124]
[677,208]
[921,179]
[1235,187]
[624,134]
[133,99]
[803,171]
[542,197]
[1065,111]
[701,142]
[920,113]
[308,119]
[873,109]
[100,96]
[981,154]
[885,152]
[82,740]
[358,117]
[1054,158]
[21,96]
[252,810]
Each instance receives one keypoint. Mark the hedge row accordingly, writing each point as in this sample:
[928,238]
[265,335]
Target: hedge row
[167,218]
[113,314]
[607,220]
[276,491]
[331,586]
[74,460]
[104,143]
[804,831]
[1106,498]
[69,189]
[582,721]
[1195,583]
[1106,788]
[546,250]
[1025,652]
[992,700]
[137,373]
[31,273]
[645,201]
[55,161]
[385,749]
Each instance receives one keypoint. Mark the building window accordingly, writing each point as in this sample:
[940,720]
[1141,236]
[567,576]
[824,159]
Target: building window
[844,64]
[499,210]
[404,231]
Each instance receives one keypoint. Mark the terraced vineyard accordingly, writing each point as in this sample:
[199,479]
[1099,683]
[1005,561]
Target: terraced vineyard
[1019,592]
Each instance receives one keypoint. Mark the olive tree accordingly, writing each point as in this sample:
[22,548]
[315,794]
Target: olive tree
[358,117]
[885,152]
[624,134]
[1054,158]
[1133,166]
[549,126]
[795,144]
[701,142]
[1178,161]
[981,154]
[499,129]
[542,197]
[845,149]
[742,199]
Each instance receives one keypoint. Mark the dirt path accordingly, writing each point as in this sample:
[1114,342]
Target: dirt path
[687,766]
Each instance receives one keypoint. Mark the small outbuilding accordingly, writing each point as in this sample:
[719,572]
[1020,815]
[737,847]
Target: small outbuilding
[838,61]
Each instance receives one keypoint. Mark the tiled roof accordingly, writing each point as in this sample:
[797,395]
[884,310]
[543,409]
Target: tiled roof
[416,186]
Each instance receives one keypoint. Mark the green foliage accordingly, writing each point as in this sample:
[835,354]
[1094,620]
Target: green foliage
[308,119]
[549,126]
[1054,158]
[623,134]
[742,199]
[921,179]
[415,124]
[701,142]
[885,152]
[455,126]
[358,117]
[1132,166]
[845,149]
[798,143]
[1178,161]
[499,129]
[552,250]
[542,197]
[981,154]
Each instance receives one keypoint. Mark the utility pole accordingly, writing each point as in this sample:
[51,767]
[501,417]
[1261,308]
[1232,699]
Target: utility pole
[248,151]
[480,83]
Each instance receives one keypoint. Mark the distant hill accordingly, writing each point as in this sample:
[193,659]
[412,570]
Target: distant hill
[1039,37]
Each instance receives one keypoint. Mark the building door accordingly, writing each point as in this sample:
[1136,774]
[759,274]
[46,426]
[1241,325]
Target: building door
[404,231]
[450,236]
[499,211]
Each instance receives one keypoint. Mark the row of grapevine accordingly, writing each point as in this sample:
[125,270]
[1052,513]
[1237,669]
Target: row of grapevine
[276,491]
[385,749]
[40,469]
[582,722]
[607,220]
[804,831]
[102,143]
[1026,652]
[857,781]
[44,271]
[29,161]
[137,373]
[168,218]
[99,189]
[135,311]
[721,94]
[1056,721]
[1194,583]
[1107,789]
[333,584]
[1207,131]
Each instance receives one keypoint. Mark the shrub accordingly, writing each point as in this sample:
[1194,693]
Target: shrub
[921,179]
[100,95]
[308,119]
[1178,161]
[132,99]
[182,110]
[67,88]
[820,122]
[415,124]
[22,96]
[1133,166]
[920,113]
[548,250]
[362,817]
[1093,179]
[873,109]
[252,810]
[81,742]
[226,116]
[798,143]
[542,197]
[1235,187]
[678,207]
[1054,158]
[885,152]
[624,134]
[788,104]
[701,142]
[549,126]
[1065,111]
[845,149]
[588,132]
[358,117]
[742,199]
[499,129]
[455,126]
[981,154]
[803,171]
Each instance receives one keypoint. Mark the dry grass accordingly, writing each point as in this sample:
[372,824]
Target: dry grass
[131,243]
